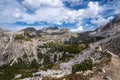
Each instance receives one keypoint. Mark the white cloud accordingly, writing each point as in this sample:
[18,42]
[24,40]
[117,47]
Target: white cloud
[79,27]
[100,20]
[113,5]
[50,11]
[62,14]
[17,13]
[35,4]
[76,2]
[94,9]
[8,11]
[56,14]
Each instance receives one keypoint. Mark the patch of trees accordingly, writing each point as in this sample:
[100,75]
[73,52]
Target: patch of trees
[40,55]
[73,49]
[8,72]
[19,36]
[83,66]
[47,64]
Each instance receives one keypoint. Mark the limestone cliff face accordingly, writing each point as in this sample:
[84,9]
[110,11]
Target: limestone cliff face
[25,44]
[11,49]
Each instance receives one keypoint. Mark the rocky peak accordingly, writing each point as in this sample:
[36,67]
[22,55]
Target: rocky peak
[117,18]
[110,29]
[50,28]
[64,29]
[29,29]
[29,32]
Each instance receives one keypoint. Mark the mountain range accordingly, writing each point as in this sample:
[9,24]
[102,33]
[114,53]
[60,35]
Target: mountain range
[59,54]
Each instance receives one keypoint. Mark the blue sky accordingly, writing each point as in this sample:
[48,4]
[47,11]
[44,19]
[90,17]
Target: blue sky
[77,15]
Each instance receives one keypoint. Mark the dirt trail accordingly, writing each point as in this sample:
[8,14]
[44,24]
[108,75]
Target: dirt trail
[113,68]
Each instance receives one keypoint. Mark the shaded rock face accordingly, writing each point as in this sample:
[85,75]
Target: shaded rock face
[117,19]
[84,38]
[31,32]
[64,29]
[30,29]
[50,28]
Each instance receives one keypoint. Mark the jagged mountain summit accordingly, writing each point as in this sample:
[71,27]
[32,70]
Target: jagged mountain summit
[110,29]
[50,28]
[59,54]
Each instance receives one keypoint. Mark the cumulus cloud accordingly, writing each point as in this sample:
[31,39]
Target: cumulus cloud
[53,12]
[62,14]
[93,10]
[79,27]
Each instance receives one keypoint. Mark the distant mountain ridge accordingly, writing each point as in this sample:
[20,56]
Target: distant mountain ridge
[50,28]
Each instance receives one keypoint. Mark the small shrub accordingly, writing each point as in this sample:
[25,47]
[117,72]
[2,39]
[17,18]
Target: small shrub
[40,55]
[34,65]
